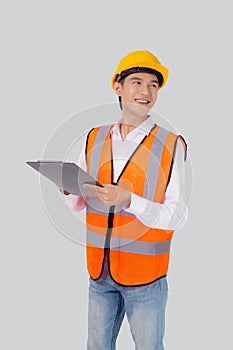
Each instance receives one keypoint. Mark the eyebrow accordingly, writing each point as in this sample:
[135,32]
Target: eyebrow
[137,78]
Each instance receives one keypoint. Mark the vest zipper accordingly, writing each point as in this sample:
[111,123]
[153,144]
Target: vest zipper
[108,238]
[110,225]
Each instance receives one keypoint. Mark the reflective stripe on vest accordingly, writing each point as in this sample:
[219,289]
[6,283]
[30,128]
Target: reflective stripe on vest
[94,166]
[129,246]
[154,160]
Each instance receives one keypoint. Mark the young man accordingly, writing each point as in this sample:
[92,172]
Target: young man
[131,220]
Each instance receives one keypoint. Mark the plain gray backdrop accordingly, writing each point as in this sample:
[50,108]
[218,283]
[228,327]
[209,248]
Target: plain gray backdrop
[57,59]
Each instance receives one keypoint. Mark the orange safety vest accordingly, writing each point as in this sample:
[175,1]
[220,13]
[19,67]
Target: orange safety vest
[138,254]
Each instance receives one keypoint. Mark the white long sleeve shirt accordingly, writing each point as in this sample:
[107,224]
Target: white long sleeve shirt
[170,215]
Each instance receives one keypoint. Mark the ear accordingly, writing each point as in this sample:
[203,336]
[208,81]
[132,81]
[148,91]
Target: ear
[117,88]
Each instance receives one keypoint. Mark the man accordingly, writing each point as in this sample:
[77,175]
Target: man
[131,220]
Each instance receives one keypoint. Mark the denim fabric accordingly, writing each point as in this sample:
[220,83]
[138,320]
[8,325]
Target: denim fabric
[144,307]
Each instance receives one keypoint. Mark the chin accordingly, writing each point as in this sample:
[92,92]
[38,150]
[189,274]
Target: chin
[137,110]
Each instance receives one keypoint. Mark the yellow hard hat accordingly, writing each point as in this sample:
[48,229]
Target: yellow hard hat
[140,59]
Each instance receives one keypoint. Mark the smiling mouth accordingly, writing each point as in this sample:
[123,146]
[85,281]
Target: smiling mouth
[141,101]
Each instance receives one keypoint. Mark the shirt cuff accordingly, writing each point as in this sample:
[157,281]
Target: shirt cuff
[74,202]
[137,205]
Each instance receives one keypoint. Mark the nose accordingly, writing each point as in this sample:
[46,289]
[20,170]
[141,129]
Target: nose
[144,89]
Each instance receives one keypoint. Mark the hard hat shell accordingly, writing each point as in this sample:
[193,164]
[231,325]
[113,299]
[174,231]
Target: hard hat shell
[143,59]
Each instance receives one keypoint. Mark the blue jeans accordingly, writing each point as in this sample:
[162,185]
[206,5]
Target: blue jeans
[144,307]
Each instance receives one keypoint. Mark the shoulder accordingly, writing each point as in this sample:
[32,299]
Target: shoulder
[178,141]
[102,131]
[180,148]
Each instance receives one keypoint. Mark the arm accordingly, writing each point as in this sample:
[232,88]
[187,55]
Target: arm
[172,214]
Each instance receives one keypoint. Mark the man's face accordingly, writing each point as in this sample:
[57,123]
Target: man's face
[138,93]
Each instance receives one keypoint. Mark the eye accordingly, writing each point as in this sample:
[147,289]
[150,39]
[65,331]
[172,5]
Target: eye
[155,85]
[136,82]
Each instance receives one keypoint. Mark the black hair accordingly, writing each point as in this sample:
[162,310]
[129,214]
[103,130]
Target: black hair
[121,77]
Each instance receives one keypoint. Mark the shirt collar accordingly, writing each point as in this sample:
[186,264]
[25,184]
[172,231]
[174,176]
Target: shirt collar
[143,128]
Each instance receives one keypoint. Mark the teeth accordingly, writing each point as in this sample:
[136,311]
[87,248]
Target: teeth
[142,101]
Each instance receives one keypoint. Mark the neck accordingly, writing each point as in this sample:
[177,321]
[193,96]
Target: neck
[129,124]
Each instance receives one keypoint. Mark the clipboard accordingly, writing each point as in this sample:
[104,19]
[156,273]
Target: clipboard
[66,175]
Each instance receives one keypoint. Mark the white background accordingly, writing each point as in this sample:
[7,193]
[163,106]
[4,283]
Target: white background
[57,58]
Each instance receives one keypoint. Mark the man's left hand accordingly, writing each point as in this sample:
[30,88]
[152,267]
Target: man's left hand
[110,194]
